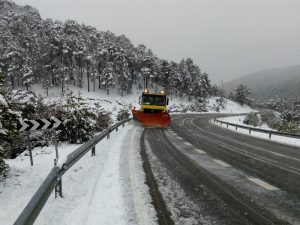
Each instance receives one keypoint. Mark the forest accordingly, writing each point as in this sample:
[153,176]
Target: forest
[57,54]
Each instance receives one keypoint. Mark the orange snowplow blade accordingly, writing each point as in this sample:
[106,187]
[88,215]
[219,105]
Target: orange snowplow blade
[161,119]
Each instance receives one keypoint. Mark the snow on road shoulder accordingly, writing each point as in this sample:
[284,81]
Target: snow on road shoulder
[93,189]
[24,180]
[239,120]
[137,196]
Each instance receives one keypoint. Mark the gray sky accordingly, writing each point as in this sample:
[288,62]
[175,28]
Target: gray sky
[226,38]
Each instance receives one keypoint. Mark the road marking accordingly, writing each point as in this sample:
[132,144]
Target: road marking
[187,143]
[200,151]
[220,162]
[180,138]
[263,184]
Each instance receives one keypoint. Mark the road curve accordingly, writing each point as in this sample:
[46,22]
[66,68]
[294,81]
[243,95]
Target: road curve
[276,163]
[226,177]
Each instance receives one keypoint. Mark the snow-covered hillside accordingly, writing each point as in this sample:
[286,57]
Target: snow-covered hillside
[113,102]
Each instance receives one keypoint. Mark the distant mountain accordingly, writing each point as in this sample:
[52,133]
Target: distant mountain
[281,82]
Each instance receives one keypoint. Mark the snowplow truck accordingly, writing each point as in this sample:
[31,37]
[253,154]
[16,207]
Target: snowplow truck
[153,110]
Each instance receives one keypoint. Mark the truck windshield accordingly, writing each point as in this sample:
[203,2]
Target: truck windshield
[154,100]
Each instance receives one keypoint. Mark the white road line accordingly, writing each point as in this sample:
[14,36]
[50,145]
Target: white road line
[187,143]
[263,184]
[220,162]
[180,138]
[200,151]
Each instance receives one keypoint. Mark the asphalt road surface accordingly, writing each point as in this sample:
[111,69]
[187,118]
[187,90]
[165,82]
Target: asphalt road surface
[210,175]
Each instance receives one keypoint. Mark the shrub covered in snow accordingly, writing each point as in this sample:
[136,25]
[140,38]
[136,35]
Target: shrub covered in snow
[288,123]
[103,119]
[270,118]
[8,123]
[252,119]
[219,104]
[80,120]
[123,113]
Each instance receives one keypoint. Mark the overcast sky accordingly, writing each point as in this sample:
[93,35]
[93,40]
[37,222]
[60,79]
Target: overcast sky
[226,38]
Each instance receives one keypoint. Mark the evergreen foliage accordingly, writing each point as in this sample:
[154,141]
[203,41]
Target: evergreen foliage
[288,123]
[8,119]
[270,118]
[58,54]
[252,119]
[81,121]
[243,95]
[123,113]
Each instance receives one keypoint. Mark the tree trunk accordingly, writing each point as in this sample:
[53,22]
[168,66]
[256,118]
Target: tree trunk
[62,86]
[12,81]
[88,75]
[99,71]
[94,84]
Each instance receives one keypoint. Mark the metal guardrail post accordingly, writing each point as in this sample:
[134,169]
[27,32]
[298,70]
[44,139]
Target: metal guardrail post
[58,188]
[30,148]
[108,134]
[93,151]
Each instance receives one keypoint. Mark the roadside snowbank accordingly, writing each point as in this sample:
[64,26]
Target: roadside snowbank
[95,189]
[239,120]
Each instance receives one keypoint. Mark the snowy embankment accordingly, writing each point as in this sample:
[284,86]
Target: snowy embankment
[239,120]
[106,189]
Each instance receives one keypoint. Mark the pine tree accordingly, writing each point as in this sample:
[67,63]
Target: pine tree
[242,95]
[108,78]
[8,127]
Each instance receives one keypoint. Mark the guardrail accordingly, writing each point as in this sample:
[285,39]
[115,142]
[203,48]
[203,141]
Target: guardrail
[53,180]
[270,132]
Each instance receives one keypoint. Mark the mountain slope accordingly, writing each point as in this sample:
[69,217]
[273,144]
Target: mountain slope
[282,82]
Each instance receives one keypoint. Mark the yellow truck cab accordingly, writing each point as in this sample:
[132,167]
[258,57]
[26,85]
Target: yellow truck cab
[153,102]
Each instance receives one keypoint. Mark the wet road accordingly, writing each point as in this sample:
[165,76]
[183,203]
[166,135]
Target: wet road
[228,178]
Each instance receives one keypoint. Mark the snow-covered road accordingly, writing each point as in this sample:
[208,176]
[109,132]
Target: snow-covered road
[106,189]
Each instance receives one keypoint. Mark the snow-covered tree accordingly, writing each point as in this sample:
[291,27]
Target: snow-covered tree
[243,94]
[108,78]
[8,127]
[57,54]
